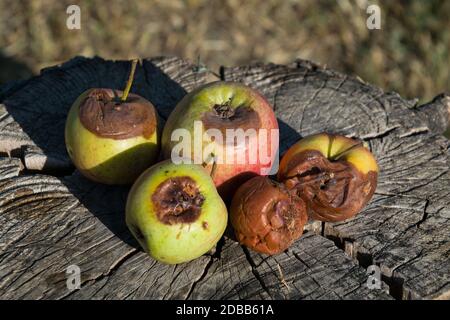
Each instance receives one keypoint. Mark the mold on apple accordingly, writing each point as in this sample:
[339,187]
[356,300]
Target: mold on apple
[178,200]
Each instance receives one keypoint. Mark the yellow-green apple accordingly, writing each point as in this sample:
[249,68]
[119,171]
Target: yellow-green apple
[110,140]
[229,128]
[175,212]
[336,176]
[266,216]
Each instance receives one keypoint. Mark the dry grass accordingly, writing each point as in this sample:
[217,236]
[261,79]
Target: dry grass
[410,54]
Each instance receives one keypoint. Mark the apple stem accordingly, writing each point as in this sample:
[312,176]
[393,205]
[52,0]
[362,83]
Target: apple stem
[130,81]
[213,169]
[214,165]
[329,146]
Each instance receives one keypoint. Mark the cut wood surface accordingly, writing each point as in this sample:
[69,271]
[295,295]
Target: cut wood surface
[51,217]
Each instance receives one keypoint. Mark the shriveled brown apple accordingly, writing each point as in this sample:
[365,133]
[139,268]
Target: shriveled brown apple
[266,217]
[336,176]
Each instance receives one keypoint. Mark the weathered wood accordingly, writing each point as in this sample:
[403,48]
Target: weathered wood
[406,228]
[313,268]
[436,113]
[51,220]
[51,223]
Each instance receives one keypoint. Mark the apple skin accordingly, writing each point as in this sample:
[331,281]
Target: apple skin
[336,176]
[193,107]
[181,241]
[108,160]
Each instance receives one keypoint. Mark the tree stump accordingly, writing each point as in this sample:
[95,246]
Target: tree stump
[51,217]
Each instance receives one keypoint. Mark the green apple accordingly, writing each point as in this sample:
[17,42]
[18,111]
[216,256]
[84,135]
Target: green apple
[175,212]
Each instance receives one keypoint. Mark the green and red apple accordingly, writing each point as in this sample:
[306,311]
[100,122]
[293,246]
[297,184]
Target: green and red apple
[221,110]
[175,212]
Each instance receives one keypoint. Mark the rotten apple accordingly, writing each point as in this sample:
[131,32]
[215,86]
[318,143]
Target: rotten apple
[336,176]
[112,136]
[175,212]
[266,216]
[231,130]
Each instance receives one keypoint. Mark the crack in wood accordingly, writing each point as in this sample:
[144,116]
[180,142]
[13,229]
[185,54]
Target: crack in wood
[113,268]
[214,257]
[255,272]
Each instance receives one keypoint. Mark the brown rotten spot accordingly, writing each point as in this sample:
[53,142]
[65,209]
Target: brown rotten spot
[336,176]
[112,136]
[104,114]
[178,200]
[223,117]
[266,217]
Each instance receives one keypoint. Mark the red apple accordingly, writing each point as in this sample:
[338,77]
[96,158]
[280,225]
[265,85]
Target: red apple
[229,128]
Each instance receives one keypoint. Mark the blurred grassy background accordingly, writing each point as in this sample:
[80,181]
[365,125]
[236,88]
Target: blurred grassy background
[410,54]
